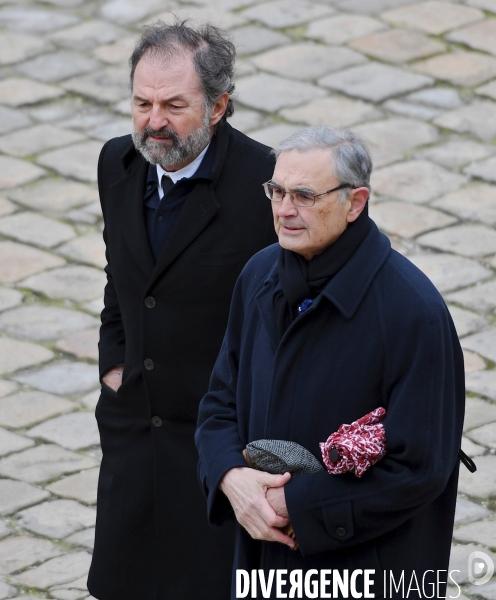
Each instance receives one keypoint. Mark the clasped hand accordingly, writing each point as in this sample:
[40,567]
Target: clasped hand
[258,502]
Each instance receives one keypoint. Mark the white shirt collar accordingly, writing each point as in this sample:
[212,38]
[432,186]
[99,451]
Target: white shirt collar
[187,171]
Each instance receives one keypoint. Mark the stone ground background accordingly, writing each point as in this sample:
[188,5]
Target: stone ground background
[417,80]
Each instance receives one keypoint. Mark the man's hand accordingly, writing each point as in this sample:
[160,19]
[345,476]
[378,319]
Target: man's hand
[113,378]
[276,498]
[246,490]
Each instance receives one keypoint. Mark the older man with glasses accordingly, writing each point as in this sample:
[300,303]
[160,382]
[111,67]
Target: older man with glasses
[340,363]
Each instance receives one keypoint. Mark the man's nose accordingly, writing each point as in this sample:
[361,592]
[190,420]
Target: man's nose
[286,208]
[158,118]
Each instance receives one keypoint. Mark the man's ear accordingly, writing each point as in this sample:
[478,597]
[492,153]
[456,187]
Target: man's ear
[358,198]
[219,108]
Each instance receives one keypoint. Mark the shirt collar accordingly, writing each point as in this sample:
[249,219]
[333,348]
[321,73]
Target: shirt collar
[185,172]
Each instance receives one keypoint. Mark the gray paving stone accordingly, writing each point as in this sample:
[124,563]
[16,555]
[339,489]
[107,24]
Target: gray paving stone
[483,342]
[71,590]
[38,323]
[31,19]
[457,153]
[252,39]
[481,532]
[432,17]
[440,97]
[79,161]
[459,559]
[448,272]
[487,591]
[43,463]
[80,215]
[482,383]
[10,298]
[14,172]
[6,590]
[88,249]
[110,130]
[127,12]
[57,66]
[484,169]
[57,570]
[63,378]
[375,82]
[389,139]
[87,119]
[6,207]
[466,69]
[415,181]
[286,13]
[213,14]
[482,483]
[7,387]
[81,487]
[468,512]
[86,36]
[473,362]
[11,119]
[485,436]
[481,297]
[17,91]
[466,321]
[341,29]
[57,519]
[74,431]
[397,46]
[283,92]
[414,111]
[370,7]
[82,344]
[16,495]
[334,110]
[77,283]
[472,449]
[407,220]
[33,228]
[11,442]
[15,47]
[5,530]
[118,52]
[110,84]
[21,551]
[85,538]
[271,136]
[54,195]
[25,409]
[15,355]
[18,261]
[307,61]
[58,110]
[487,90]
[468,240]
[478,412]
[481,36]
[478,118]
[489,5]
[246,120]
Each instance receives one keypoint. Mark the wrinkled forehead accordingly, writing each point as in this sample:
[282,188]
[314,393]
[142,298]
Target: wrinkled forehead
[174,68]
[309,168]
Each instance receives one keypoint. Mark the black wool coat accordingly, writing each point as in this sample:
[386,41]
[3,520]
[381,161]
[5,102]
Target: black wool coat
[165,322]
[379,334]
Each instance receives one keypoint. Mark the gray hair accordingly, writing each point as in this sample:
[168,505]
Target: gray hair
[351,159]
[213,55]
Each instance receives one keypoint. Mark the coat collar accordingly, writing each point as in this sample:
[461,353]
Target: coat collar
[199,208]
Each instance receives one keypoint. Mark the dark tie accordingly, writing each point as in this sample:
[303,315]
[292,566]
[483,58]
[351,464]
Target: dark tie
[167,184]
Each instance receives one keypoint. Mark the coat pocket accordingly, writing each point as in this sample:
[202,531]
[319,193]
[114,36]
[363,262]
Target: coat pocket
[338,520]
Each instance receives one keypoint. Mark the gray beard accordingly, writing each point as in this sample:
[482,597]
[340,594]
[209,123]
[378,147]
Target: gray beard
[181,150]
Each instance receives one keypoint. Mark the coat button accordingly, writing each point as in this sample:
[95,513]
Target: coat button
[157,421]
[149,364]
[160,218]
[341,531]
[150,302]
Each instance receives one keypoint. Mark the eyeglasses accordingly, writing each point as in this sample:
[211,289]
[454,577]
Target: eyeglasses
[297,197]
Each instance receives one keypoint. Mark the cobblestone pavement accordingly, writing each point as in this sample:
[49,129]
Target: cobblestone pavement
[418,81]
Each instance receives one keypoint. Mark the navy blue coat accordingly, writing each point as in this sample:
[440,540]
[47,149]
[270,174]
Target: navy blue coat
[378,335]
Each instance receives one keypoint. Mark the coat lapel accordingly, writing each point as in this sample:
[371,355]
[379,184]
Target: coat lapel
[130,194]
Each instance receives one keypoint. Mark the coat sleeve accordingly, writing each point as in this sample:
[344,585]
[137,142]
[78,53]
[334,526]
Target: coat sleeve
[424,395]
[112,339]
[217,437]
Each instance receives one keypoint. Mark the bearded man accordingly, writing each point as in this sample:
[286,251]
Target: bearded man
[184,210]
